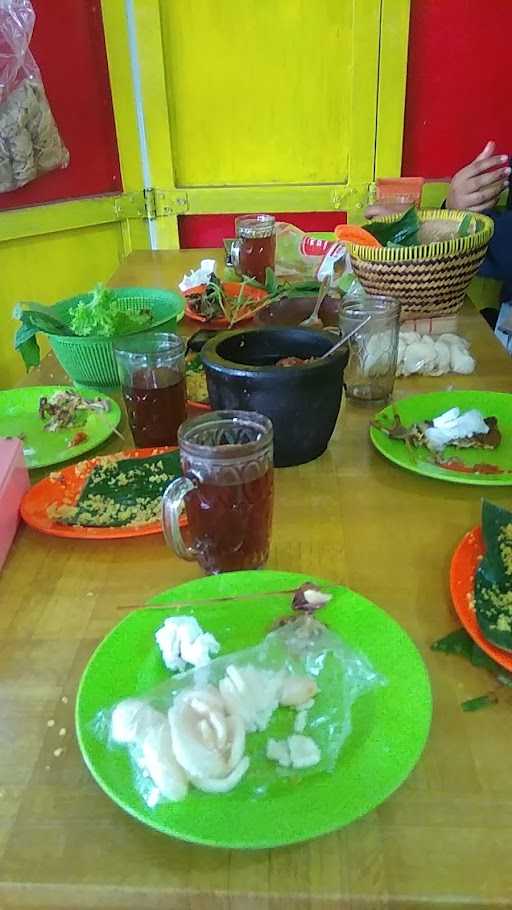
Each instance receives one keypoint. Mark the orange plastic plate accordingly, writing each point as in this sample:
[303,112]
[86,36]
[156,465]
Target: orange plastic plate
[65,486]
[232,289]
[462,578]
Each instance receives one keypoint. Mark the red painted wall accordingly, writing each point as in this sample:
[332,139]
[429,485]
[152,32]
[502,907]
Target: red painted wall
[458,84]
[210,230]
[69,47]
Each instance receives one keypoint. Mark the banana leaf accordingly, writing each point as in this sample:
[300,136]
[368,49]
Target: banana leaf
[403,232]
[125,492]
[460,643]
[34,318]
[493,582]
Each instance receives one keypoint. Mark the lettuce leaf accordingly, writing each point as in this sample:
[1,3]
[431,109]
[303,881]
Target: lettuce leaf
[104,317]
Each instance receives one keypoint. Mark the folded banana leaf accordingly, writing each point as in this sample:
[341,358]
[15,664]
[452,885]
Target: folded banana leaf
[493,582]
[402,232]
[124,492]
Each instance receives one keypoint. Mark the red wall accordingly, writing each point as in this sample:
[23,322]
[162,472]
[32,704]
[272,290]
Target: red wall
[210,230]
[458,84]
[69,48]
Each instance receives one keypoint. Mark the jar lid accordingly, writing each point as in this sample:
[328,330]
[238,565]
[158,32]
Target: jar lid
[255,226]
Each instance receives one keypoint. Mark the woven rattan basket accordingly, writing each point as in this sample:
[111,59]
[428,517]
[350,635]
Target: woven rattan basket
[429,279]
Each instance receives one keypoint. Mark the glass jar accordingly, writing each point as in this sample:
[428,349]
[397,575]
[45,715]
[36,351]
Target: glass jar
[370,372]
[254,250]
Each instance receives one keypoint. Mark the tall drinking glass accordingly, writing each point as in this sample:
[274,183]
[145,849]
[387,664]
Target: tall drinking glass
[226,490]
[152,372]
[370,372]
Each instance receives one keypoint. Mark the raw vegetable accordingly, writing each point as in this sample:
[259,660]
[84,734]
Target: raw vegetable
[213,302]
[104,317]
[401,232]
[351,233]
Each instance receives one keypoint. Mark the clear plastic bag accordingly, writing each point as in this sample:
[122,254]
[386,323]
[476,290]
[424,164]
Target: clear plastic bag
[299,255]
[301,658]
[30,143]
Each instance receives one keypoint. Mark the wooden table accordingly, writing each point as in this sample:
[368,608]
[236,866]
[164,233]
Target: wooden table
[444,840]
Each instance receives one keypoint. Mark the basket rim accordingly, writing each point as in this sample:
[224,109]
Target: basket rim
[423,252]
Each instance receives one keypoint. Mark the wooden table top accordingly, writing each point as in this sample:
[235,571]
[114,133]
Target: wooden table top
[443,840]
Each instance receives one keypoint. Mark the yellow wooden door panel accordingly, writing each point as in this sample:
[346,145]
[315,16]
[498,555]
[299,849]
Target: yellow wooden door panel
[49,268]
[273,91]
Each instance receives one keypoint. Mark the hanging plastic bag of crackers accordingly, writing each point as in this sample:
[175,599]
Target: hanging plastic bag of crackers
[299,255]
[30,144]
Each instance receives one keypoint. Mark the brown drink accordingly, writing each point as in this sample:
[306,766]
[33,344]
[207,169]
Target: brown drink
[152,373]
[226,490]
[254,250]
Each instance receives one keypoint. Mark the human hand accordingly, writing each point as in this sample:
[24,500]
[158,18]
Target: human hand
[478,185]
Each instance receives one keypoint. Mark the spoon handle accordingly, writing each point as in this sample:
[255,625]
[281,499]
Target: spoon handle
[343,340]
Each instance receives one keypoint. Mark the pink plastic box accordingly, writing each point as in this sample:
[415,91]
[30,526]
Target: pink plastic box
[13,484]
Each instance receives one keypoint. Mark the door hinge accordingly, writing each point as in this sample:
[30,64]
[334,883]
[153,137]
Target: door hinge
[160,203]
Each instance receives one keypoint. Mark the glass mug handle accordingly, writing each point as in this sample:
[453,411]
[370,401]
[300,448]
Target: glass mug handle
[172,508]
[234,255]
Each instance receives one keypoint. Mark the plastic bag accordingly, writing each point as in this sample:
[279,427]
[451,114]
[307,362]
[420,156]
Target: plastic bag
[302,653]
[299,255]
[30,143]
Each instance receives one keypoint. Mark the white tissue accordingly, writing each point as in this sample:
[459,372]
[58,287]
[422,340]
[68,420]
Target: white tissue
[195,277]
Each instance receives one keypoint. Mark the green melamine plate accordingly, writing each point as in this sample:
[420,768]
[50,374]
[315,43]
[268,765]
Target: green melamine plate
[426,407]
[390,723]
[19,416]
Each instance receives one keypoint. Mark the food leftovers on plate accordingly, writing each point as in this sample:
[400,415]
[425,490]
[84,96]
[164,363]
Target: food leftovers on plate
[267,714]
[493,580]
[66,408]
[119,492]
[461,429]
[214,302]
[197,389]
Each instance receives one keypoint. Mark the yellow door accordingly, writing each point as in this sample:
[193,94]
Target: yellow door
[274,105]
[220,106]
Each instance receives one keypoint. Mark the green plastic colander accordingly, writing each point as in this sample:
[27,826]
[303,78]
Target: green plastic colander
[91,361]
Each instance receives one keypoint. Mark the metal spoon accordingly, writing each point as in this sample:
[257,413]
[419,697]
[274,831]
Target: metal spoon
[342,341]
[314,321]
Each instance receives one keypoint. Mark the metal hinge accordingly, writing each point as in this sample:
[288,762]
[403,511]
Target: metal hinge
[159,203]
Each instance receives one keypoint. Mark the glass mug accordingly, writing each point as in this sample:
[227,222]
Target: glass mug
[152,373]
[254,250]
[370,373]
[226,490]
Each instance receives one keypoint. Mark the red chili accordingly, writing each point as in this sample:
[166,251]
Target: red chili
[462,468]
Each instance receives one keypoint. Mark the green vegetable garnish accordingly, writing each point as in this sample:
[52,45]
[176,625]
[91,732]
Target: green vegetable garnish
[104,317]
[402,232]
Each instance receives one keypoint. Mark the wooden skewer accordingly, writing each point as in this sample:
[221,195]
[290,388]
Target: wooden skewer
[231,598]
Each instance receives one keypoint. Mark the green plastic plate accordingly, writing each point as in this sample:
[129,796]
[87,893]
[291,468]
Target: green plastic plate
[426,407]
[390,724]
[19,416]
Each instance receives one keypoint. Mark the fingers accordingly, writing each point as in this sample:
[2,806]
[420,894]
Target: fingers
[486,151]
[480,166]
[485,197]
[498,176]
